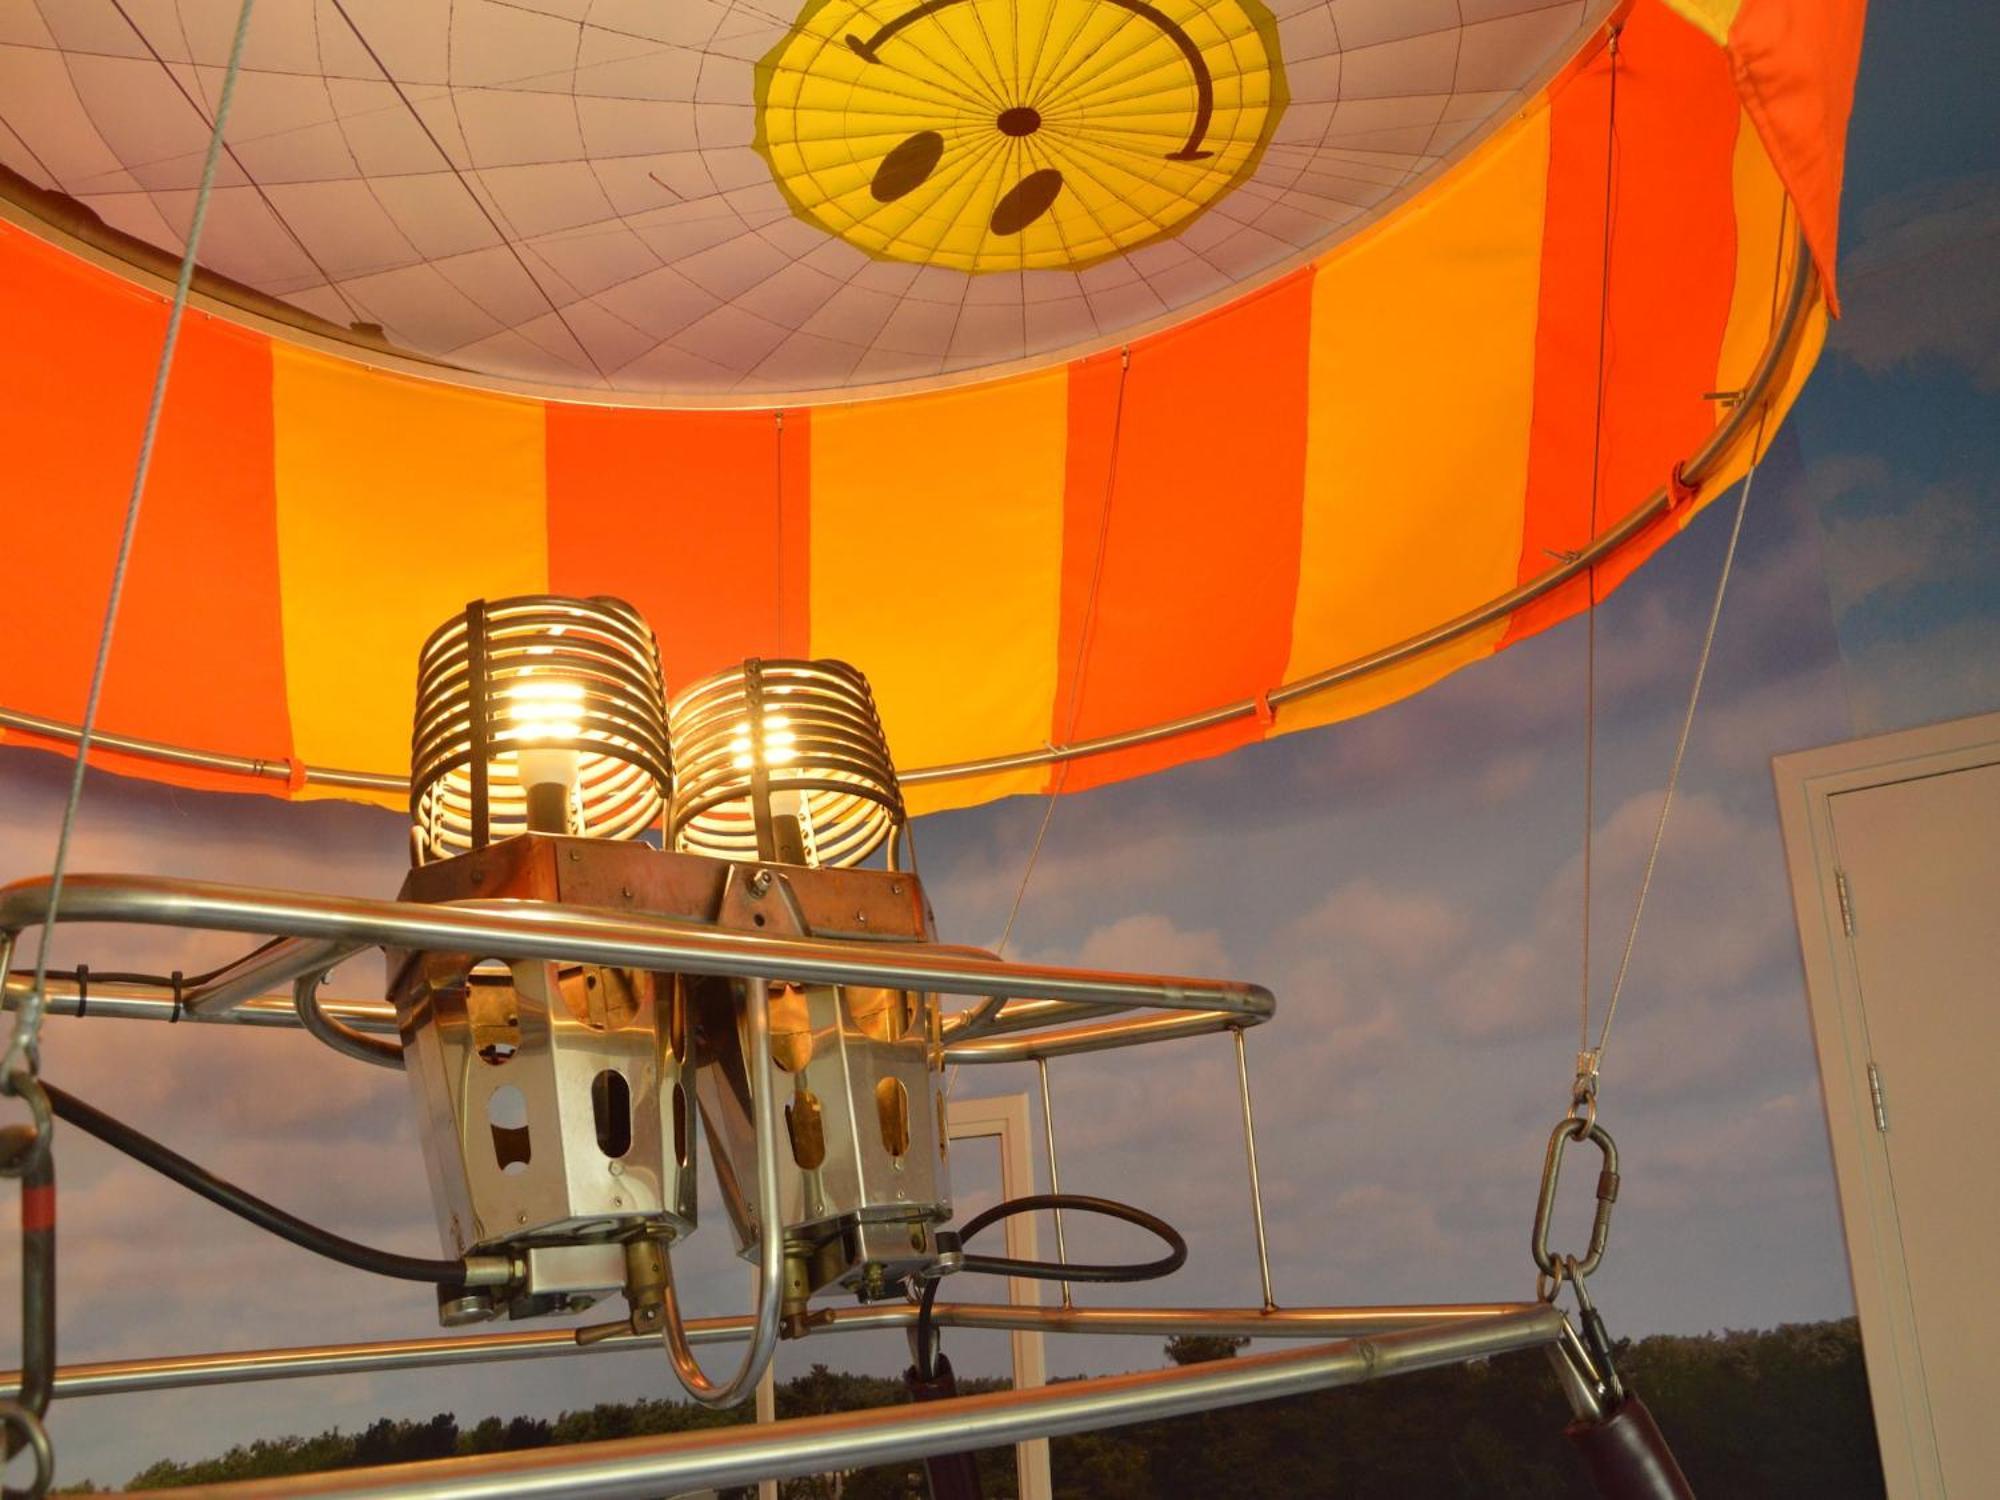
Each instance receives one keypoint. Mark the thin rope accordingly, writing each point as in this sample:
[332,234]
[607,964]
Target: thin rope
[1680,755]
[1596,1055]
[1590,574]
[27,1026]
[1076,671]
[1034,854]
[1079,666]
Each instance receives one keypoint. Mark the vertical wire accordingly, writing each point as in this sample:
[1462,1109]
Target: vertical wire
[27,1025]
[1680,755]
[1082,660]
[989,1009]
[1590,574]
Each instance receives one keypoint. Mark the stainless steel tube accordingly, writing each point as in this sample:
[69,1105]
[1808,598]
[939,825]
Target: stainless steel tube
[1055,1177]
[236,1367]
[1248,1322]
[343,1039]
[268,968]
[501,929]
[1101,1036]
[770,1236]
[135,1002]
[1250,1149]
[1021,1015]
[648,1466]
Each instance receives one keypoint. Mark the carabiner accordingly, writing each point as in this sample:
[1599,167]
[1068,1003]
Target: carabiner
[1571,1128]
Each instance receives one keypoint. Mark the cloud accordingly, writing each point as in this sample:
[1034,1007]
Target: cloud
[1919,284]
[1950,672]
[1150,943]
[1716,926]
[1883,536]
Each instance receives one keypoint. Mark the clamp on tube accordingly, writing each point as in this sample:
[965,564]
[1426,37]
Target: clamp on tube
[770,1237]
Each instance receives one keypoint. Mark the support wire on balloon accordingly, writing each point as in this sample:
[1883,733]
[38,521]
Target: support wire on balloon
[27,1025]
[1674,771]
[1589,1059]
[990,1008]
[1590,576]
[1082,644]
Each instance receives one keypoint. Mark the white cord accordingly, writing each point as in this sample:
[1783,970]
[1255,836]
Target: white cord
[1680,755]
[28,1025]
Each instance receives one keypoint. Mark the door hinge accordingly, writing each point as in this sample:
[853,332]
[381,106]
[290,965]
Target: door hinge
[1875,1098]
[1846,902]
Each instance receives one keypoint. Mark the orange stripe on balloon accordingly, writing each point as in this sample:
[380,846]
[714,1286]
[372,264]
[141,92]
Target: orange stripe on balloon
[398,501]
[1672,269]
[197,658]
[1191,602]
[1796,62]
[699,519]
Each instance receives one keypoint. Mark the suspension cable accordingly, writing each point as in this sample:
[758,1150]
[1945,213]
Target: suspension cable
[1590,574]
[1674,770]
[27,1025]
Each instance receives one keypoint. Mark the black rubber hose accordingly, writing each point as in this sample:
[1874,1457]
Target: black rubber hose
[1052,1270]
[198,1179]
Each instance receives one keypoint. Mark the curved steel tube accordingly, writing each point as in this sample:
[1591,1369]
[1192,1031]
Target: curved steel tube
[1748,409]
[770,1237]
[340,1037]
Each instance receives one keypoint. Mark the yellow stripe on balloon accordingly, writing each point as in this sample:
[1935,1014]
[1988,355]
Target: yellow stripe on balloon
[937,530]
[1766,256]
[1712,17]
[1763,238]
[1422,387]
[398,501]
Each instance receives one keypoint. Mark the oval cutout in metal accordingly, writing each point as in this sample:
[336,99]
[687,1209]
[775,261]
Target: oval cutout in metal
[892,1108]
[1026,201]
[906,167]
[681,1123]
[611,1110]
[507,1120]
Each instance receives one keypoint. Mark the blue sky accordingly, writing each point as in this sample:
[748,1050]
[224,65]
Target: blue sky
[1409,884]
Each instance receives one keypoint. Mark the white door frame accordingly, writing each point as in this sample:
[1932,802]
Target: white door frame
[1806,782]
[1006,1118]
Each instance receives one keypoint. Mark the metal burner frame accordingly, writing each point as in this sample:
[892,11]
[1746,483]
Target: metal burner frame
[1021,1012]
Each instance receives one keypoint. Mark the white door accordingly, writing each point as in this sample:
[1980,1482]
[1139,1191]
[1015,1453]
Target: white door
[1901,894]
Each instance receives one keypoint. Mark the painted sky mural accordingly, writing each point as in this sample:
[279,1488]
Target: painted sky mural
[1409,883]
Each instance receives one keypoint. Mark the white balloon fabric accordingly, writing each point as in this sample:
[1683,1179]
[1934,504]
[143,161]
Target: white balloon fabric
[720,199]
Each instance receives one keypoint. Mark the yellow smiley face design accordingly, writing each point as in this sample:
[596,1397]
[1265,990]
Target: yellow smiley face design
[1011,135]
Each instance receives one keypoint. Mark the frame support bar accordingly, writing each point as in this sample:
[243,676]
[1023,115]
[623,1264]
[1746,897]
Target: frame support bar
[648,1466]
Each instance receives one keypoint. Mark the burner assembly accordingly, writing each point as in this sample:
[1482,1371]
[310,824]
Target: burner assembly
[562,1102]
